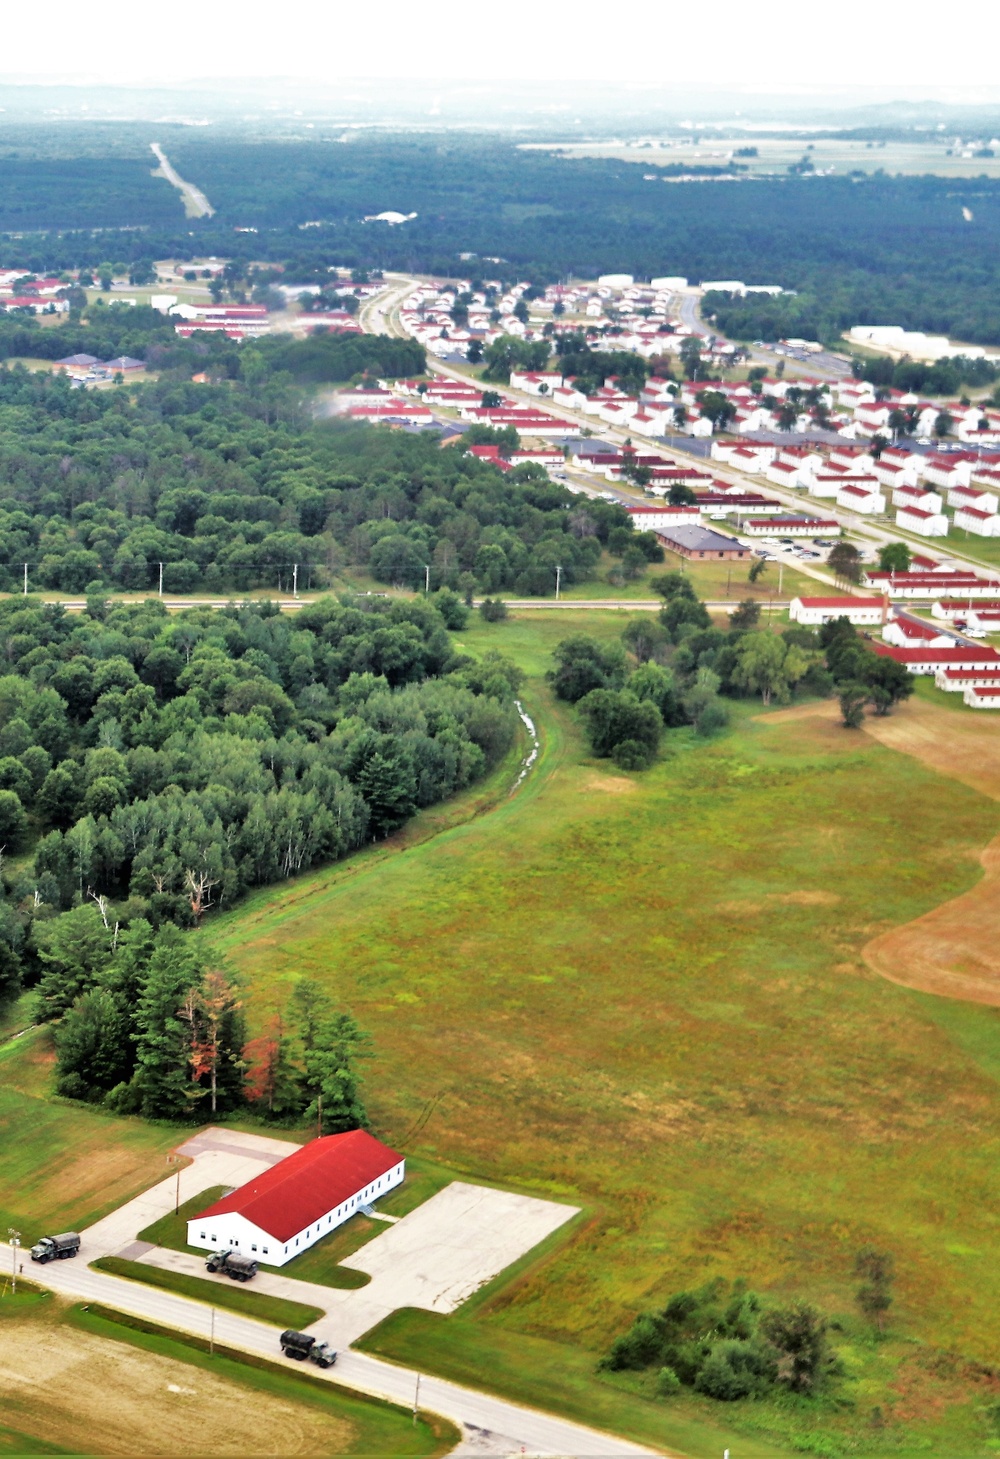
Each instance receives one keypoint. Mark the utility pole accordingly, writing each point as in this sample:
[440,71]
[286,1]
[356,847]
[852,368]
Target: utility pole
[558,579]
[211,1338]
[427,578]
[15,1242]
[319,1114]
[781,573]
[25,579]
[161,579]
[177,1193]
[416,1400]
[295,580]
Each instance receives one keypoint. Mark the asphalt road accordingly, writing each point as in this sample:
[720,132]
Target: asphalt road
[528,1429]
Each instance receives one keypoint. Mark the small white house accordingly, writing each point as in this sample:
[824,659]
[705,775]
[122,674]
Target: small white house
[979,523]
[294,1204]
[982,696]
[916,496]
[910,633]
[815,611]
[855,497]
[924,524]
[970,496]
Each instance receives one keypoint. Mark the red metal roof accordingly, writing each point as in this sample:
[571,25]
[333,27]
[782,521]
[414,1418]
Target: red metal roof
[957,656]
[841,602]
[313,1181]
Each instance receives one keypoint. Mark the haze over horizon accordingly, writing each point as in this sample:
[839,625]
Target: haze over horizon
[663,45]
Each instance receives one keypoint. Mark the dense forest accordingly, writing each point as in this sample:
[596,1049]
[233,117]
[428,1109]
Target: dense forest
[916,251]
[84,193]
[159,766]
[230,487]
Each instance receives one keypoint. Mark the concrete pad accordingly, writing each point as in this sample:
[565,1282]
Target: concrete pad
[219,1157]
[453,1244]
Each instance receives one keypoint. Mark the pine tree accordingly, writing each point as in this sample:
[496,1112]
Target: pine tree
[163,1040]
[93,1047]
[332,1076]
[74,949]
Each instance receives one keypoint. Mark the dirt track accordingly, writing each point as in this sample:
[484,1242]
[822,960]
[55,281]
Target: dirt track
[55,1385]
[954,950]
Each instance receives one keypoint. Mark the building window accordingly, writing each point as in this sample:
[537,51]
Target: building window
[296,1241]
[202,1236]
[253,1248]
[265,1251]
[213,1238]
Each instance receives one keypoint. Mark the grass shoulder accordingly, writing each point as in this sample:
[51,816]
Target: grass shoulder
[278,1310]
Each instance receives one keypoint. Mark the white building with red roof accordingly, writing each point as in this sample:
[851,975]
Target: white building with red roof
[925,524]
[814,611]
[283,1212]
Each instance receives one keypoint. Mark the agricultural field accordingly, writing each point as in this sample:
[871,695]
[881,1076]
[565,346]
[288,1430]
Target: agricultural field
[651,996]
[777,154]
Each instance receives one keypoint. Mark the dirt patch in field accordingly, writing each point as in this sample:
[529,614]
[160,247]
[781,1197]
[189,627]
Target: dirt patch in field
[954,950]
[964,746]
[88,1395]
[752,907]
[609,784]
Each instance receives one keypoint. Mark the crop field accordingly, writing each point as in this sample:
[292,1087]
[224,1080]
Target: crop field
[776,154]
[648,995]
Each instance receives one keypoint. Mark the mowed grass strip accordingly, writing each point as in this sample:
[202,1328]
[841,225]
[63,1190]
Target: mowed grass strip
[646,994]
[223,1293]
[64,1165]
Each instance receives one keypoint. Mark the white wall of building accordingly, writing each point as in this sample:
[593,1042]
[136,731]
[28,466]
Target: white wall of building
[225,1232]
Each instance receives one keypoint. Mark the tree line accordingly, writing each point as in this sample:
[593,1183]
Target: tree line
[228,488]
[157,767]
[145,1022]
[677,668]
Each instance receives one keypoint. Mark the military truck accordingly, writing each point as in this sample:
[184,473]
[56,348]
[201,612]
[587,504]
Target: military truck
[56,1248]
[231,1264]
[300,1345]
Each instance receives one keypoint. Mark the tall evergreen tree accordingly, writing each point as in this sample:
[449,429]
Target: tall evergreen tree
[163,1043]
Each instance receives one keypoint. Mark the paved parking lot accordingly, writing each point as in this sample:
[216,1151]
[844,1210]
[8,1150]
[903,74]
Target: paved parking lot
[455,1243]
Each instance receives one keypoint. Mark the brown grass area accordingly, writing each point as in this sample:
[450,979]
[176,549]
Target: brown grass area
[55,1385]
[953,950]
[609,784]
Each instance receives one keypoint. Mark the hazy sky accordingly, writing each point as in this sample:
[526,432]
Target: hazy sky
[902,49]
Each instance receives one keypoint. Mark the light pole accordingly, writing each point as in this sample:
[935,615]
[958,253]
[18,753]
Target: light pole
[427,578]
[15,1241]
[558,578]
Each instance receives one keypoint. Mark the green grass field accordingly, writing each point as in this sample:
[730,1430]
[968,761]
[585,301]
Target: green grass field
[235,1297]
[646,995]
